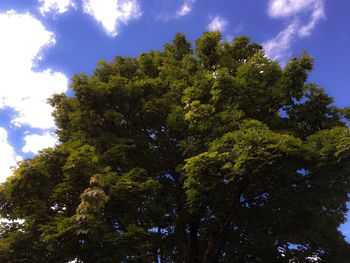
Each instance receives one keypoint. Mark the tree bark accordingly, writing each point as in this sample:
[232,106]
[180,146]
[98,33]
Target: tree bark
[194,256]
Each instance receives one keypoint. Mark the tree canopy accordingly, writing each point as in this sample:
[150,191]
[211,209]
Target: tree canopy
[196,153]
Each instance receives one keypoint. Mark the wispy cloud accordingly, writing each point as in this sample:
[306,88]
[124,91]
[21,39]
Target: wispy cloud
[55,6]
[165,10]
[294,12]
[278,48]
[112,13]
[217,23]
[186,8]
[289,8]
[318,14]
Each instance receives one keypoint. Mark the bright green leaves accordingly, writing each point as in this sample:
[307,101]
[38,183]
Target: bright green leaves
[133,192]
[179,48]
[331,145]
[242,49]
[206,173]
[295,75]
[213,53]
[225,87]
[26,193]
[255,143]
[253,153]
[111,209]
[149,64]
[199,113]
[259,94]
[81,164]
[81,161]
[208,49]
[259,70]
[315,113]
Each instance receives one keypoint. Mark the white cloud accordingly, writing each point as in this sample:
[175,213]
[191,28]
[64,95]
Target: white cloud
[22,87]
[288,8]
[112,13]
[186,8]
[55,6]
[278,48]
[8,156]
[217,24]
[35,142]
[317,14]
[294,12]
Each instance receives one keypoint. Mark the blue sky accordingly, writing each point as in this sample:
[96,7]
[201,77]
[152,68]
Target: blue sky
[44,42]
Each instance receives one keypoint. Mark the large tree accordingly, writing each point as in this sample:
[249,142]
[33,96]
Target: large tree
[211,154]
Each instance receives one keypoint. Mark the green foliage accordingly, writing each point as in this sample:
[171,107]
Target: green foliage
[211,154]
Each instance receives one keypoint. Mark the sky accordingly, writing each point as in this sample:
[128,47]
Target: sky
[44,42]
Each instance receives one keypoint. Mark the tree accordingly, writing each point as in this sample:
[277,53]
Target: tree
[215,154]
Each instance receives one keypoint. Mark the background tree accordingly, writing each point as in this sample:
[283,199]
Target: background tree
[215,154]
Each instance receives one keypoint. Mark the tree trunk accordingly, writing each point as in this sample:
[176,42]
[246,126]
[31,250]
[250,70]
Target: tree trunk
[194,256]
